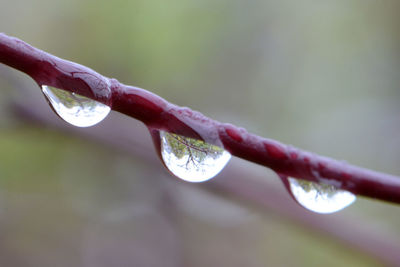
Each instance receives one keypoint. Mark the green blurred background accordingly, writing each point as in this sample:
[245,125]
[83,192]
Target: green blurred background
[321,75]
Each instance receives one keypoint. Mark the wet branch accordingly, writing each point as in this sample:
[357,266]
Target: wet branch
[158,113]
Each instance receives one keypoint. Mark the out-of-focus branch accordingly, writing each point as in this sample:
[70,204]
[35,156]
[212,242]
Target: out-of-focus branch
[235,182]
[157,113]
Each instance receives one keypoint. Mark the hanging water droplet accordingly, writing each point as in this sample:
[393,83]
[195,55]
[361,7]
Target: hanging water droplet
[75,109]
[190,159]
[319,197]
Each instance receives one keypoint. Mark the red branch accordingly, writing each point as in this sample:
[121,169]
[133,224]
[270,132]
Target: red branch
[158,113]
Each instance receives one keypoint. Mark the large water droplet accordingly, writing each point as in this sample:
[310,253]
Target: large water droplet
[75,109]
[319,197]
[190,159]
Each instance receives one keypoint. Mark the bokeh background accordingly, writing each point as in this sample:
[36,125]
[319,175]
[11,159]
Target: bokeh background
[321,75]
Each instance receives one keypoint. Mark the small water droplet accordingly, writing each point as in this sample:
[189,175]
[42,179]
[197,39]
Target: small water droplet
[190,159]
[319,197]
[75,109]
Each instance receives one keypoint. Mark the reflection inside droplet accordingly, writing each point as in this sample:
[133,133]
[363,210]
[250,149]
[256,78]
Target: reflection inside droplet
[75,109]
[320,197]
[190,159]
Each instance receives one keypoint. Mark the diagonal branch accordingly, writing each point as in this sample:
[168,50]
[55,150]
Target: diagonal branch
[158,113]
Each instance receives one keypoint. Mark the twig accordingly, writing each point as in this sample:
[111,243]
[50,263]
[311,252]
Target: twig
[157,113]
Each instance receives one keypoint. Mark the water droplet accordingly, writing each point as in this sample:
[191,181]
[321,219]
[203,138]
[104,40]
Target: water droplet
[75,109]
[319,197]
[190,159]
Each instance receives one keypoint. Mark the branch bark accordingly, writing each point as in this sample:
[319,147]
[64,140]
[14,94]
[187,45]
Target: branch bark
[158,113]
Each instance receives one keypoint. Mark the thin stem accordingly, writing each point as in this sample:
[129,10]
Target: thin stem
[158,113]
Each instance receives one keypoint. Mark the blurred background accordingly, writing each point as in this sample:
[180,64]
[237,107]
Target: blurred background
[322,76]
